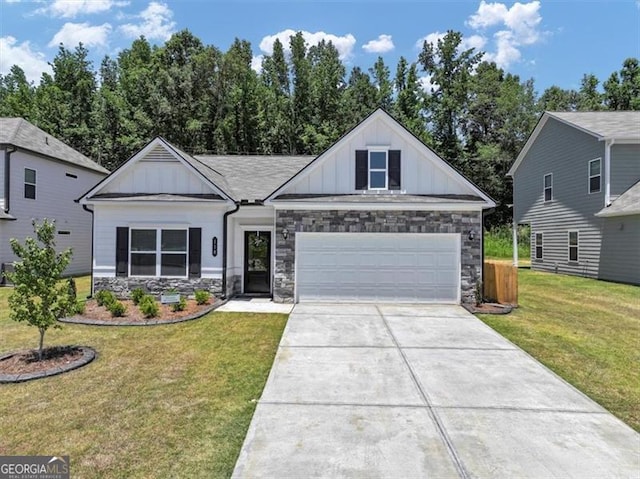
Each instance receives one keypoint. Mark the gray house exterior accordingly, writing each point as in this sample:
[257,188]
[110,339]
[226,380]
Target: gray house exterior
[576,183]
[40,177]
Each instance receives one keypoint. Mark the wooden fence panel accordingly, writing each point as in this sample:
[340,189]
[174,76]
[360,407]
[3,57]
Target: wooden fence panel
[500,282]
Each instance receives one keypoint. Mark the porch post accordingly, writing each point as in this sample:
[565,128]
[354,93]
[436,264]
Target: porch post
[515,243]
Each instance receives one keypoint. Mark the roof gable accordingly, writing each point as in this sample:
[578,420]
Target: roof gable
[161,169]
[423,171]
[22,134]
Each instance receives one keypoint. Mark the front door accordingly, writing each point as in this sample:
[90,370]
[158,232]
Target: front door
[257,261]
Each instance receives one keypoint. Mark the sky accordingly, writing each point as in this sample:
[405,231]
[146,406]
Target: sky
[553,42]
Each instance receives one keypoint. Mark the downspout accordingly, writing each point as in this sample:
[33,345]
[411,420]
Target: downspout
[93,220]
[607,169]
[225,227]
[7,177]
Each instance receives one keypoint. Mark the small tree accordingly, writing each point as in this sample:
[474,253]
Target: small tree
[39,298]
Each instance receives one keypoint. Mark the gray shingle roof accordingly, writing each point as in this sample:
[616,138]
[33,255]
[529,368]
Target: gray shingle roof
[604,124]
[19,132]
[251,177]
[379,198]
[628,203]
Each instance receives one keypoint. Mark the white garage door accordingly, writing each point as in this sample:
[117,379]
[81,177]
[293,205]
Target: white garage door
[384,267]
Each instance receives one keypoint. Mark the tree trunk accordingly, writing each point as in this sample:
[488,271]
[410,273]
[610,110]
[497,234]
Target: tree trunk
[42,331]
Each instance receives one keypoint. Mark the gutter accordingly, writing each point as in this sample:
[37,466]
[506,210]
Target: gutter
[84,207]
[7,176]
[225,228]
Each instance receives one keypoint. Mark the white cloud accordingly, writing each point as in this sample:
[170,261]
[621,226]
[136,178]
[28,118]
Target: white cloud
[73,8]
[156,23]
[382,44]
[426,85]
[431,38]
[343,44]
[90,35]
[519,26]
[32,62]
[256,63]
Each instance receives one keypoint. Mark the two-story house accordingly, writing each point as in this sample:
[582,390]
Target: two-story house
[40,177]
[576,183]
[376,217]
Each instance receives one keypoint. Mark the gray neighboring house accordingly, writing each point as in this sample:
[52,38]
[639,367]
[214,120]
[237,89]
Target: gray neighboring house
[377,217]
[40,177]
[576,182]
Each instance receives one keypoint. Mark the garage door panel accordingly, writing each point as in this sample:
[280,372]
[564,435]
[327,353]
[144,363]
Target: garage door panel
[377,267]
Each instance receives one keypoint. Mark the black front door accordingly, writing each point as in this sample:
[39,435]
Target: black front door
[257,261]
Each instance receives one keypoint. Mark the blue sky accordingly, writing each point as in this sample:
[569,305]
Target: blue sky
[554,42]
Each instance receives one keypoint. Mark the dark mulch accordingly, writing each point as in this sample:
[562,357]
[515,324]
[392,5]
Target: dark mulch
[25,362]
[489,308]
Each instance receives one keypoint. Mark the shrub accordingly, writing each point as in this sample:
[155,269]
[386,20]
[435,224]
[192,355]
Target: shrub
[136,295]
[202,296]
[105,298]
[79,308]
[72,290]
[148,306]
[180,305]
[117,309]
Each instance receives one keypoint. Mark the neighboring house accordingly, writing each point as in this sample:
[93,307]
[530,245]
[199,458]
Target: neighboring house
[576,183]
[376,217]
[40,177]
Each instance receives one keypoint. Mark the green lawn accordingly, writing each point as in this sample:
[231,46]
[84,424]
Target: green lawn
[587,331]
[160,401]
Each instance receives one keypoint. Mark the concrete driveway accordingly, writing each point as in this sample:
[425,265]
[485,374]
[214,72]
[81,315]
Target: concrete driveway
[418,391]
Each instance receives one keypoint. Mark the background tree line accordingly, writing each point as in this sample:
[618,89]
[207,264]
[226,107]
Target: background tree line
[473,114]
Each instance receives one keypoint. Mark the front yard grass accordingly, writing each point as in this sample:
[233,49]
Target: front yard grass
[587,331]
[159,401]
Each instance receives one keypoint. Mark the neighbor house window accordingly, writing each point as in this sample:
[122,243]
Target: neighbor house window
[377,170]
[538,246]
[548,187]
[595,175]
[158,252]
[573,246]
[30,183]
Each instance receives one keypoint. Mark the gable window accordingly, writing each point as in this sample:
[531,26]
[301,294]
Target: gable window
[378,169]
[538,246]
[30,183]
[595,175]
[548,187]
[158,252]
[573,246]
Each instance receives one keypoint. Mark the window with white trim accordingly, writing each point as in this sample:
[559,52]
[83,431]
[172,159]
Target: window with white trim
[538,246]
[378,170]
[30,184]
[158,252]
[595,176]
[548,187]
[573,246]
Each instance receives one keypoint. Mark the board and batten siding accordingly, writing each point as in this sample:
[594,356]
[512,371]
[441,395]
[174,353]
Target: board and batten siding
[625,168]
[336,173]
[564,152]
[55,195]
[109,216]
[620,257]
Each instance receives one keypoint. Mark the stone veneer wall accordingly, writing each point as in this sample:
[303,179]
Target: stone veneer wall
[350,221]
[122,286]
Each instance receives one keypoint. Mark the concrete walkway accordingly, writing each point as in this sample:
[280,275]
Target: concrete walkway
[402,391]
[248,304]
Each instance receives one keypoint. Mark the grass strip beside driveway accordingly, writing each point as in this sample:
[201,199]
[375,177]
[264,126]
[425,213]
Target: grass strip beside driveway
[161,401]
[585,330]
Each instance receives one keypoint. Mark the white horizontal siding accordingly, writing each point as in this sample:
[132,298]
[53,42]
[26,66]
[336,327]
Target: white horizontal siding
[55,195]
[625,168]
[621,249]
[420,175]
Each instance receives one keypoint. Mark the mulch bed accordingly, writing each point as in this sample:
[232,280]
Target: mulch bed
[100,316]
[21,366]
[489,308]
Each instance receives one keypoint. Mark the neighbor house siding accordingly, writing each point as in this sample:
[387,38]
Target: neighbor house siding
[620,256]
[564,152]
[625,168]
[55,195]
[2,160]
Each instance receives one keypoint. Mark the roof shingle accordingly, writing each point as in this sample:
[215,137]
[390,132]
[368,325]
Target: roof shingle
[604,124]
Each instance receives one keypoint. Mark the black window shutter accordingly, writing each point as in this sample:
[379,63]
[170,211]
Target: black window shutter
[394,170]
[362,169]
[195,252]
[122,251]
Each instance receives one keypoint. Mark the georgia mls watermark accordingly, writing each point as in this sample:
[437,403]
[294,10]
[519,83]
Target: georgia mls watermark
[34,467]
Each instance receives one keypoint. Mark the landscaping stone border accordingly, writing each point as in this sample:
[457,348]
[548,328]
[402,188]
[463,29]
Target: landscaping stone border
[88,355]
[150,322]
